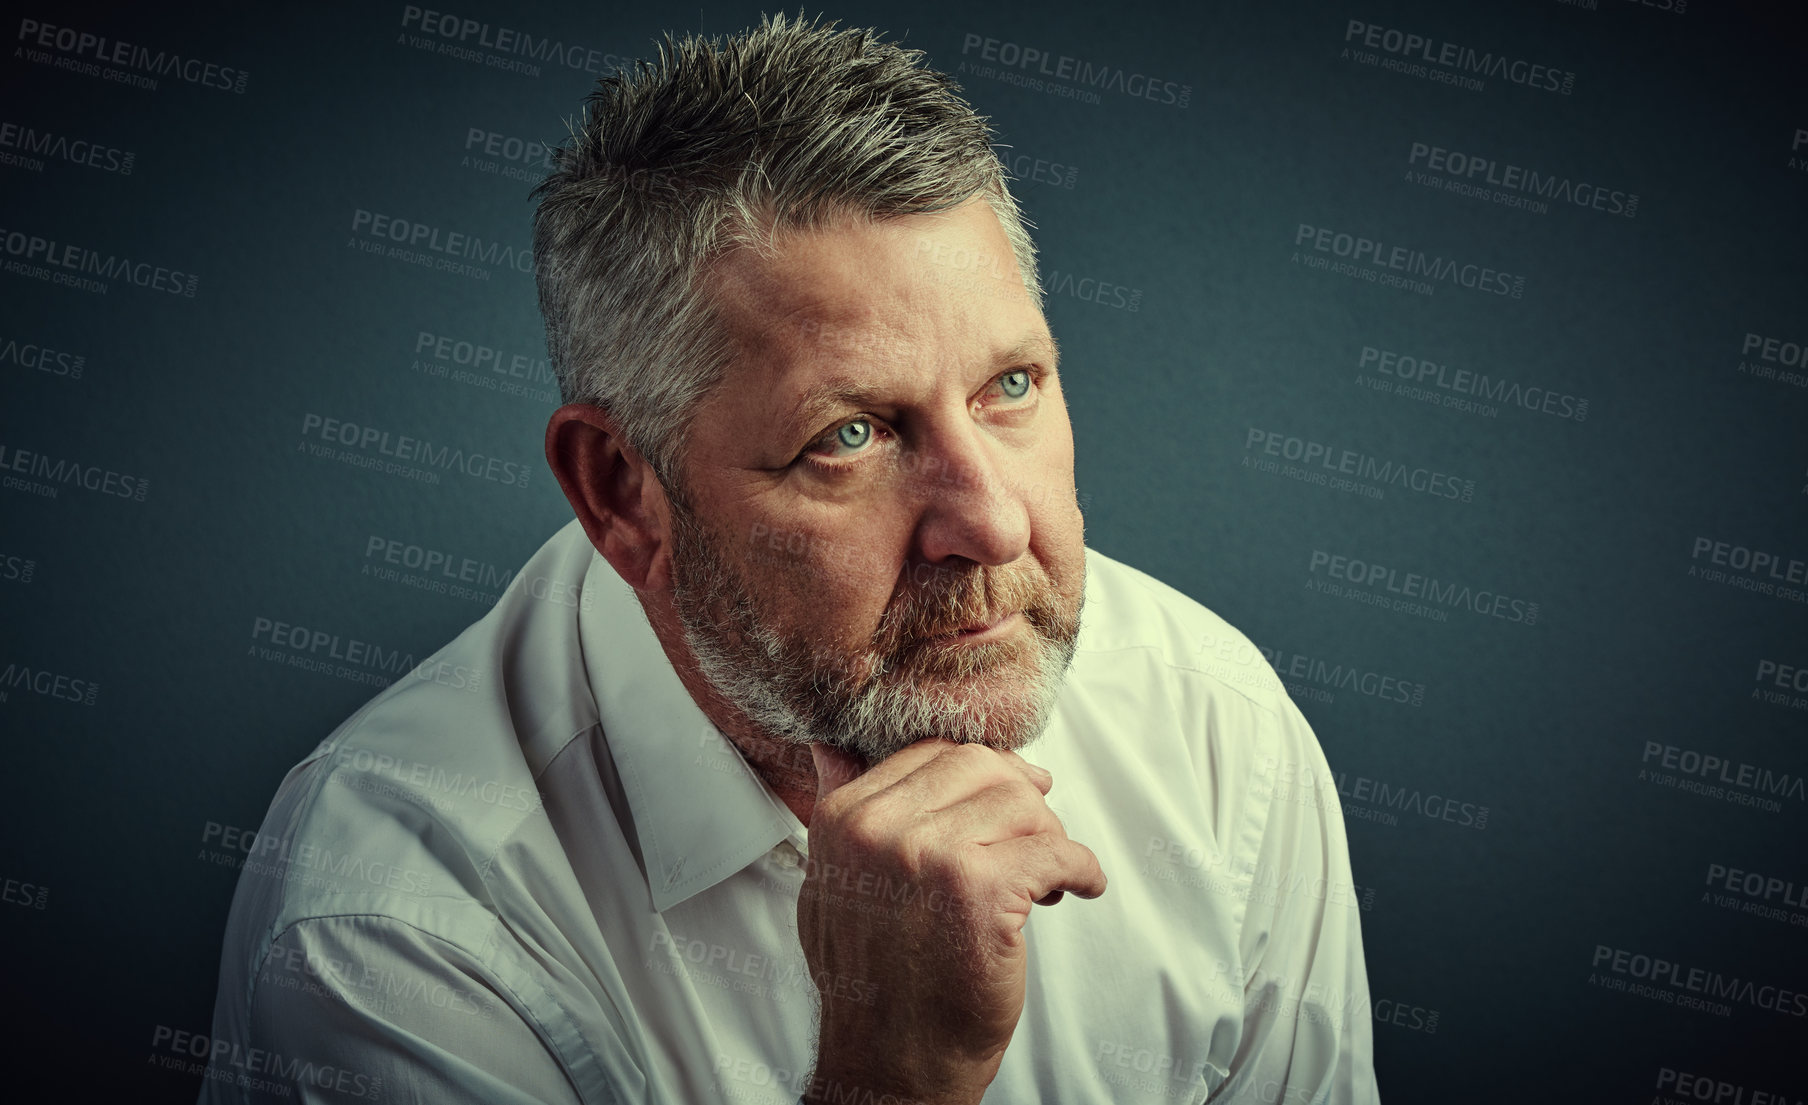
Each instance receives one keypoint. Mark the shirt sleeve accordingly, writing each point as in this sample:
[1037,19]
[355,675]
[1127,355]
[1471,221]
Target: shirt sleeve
[1308,1029]
[371,1009]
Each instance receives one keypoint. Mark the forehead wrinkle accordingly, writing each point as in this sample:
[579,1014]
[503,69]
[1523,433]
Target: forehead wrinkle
[884,373]
[1034,347]
[851,335]
[852,393]
[830,395]
[830,352]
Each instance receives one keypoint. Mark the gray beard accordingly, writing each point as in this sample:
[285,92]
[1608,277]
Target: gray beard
[877,700]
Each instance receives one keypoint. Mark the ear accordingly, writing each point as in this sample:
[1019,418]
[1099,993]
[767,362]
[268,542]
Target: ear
[614,492]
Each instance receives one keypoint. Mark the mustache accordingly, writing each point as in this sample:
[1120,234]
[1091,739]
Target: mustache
[954,599]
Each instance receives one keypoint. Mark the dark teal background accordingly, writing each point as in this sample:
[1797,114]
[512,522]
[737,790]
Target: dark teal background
[1491,929]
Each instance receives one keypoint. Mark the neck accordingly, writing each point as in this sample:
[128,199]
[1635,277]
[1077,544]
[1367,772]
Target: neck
[787,768]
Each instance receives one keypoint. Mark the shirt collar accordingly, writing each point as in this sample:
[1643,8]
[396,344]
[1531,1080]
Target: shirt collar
[700,812]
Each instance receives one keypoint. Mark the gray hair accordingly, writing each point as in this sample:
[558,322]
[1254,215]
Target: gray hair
[717,146]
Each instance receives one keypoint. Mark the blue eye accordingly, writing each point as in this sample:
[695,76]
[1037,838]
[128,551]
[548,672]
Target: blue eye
[853,438]
[855,435]
[1016,384]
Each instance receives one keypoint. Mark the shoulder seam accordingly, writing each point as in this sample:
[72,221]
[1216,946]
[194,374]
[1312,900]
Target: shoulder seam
[1168,661]
[531,1016]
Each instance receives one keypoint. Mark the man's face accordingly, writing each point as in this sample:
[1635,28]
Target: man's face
[878,538]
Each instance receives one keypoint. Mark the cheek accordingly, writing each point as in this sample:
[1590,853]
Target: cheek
[1055,517]
[827,577]
[1053,457]
[1052,500]
[1063,549]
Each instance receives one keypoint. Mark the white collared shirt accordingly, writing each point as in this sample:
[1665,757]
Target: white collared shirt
[531,870]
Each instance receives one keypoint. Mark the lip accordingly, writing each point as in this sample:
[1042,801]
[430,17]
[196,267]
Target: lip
[1004,624]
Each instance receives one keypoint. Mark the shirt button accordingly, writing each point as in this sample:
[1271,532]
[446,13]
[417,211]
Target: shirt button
[786,855]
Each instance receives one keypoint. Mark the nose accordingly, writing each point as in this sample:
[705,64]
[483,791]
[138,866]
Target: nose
[970,508]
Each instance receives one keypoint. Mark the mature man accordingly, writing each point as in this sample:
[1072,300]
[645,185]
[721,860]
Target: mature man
[733,797]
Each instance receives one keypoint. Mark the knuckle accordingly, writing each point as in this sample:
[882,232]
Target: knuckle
[1014,792]
[1089,863]
[1041,851]
[860,829]
[973,755]
[915,855]
[951,867]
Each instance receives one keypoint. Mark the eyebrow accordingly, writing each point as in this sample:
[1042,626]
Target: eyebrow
[844,394]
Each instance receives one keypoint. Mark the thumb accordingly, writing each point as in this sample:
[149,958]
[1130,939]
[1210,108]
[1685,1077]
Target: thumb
[834,768]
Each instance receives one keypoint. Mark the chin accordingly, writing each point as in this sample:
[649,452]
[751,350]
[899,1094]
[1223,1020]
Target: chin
[1005,707]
